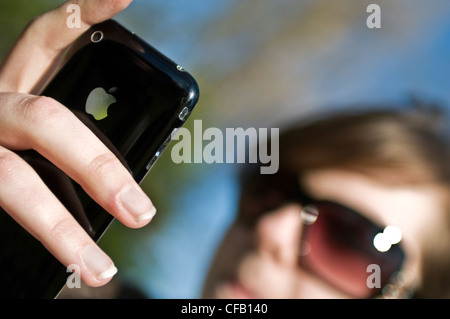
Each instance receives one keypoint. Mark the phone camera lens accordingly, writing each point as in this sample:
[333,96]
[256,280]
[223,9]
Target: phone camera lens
[97,36]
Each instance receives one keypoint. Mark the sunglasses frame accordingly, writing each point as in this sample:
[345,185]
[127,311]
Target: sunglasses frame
[359,241]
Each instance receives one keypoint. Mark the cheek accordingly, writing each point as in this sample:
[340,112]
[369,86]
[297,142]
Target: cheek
[260,273]
[266,278]
[270,280]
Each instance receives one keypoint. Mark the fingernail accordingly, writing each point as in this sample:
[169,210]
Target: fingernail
[98,263]
[137,203]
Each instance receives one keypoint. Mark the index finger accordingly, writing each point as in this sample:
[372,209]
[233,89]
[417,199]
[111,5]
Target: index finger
[43,124]
[45,38]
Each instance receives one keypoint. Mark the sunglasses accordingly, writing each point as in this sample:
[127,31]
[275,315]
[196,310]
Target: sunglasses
[338,244]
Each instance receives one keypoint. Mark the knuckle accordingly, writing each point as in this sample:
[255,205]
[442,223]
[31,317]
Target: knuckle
[102,165]
[61,229]
[9,165]
[42,110]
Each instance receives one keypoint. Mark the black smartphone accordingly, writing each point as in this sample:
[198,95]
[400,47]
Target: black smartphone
[133,98]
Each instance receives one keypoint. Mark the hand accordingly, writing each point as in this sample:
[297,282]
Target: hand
[43,124]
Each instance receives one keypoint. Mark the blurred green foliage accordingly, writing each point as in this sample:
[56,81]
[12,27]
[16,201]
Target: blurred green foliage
[14,17]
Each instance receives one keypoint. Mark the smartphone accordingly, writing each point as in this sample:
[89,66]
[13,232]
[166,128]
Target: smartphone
[133,98]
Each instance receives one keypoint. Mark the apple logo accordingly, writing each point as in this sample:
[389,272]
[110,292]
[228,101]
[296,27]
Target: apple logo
[98,102]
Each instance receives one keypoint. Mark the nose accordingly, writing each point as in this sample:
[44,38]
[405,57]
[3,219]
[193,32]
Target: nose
[279,232]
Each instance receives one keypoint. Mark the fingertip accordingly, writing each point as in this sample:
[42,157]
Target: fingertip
[108,274]
[147,217]
[140,222]
[98,269]
[136,206]
[99,11]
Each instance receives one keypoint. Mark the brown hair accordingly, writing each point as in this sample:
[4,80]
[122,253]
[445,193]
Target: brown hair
[397,146]
[408,143]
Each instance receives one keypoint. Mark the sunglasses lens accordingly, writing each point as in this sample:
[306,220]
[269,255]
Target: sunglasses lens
[340,248]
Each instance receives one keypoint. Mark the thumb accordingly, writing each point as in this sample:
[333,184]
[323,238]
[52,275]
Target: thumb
[49,34]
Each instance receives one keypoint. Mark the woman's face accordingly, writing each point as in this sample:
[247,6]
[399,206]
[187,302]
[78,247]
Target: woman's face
[262,262]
